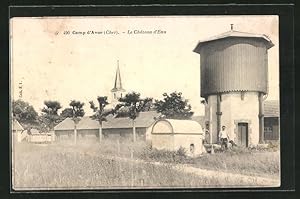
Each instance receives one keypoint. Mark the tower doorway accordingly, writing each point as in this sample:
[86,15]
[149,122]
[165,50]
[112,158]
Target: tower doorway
[243,134]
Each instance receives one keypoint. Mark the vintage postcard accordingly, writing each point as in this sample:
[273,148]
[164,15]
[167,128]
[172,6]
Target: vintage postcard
[144,102]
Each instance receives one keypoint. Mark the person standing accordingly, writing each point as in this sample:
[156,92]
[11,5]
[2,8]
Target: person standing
[224,138]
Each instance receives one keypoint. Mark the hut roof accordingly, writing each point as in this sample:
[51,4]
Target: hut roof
[145,119]
[271,108]
[183,126]
[233,33]
[16,126]
[87,123]
[66,124]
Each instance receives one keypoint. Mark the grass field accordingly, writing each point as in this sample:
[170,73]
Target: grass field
[90,165]
[242,161]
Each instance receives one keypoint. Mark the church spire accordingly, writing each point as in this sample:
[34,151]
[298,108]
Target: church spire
[118,81]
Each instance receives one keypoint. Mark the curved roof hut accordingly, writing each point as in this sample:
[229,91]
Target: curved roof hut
[169,134]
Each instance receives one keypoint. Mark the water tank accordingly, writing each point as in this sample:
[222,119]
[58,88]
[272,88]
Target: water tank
[233,62]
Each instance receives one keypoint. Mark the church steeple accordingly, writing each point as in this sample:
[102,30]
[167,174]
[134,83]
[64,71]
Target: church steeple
[118,90]
[118,81]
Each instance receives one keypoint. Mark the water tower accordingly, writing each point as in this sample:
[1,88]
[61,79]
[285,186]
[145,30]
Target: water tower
[234,83]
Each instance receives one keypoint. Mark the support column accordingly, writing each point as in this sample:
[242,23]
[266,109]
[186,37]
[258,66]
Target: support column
[75,134]
[219,114]
[261,118]
[210,129]
[100,133]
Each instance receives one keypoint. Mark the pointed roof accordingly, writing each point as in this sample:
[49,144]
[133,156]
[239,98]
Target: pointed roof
[118,81]
[66,124]
[233,33]
[16,126]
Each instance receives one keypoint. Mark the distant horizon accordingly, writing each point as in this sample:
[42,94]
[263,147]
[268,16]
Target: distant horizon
[53,64]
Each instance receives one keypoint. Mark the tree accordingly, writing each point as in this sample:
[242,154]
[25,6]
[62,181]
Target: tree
[24,112]
[203,102]
[174,106]
[77,112]
[50,116]
[67,112]
[130,106]
[100,112]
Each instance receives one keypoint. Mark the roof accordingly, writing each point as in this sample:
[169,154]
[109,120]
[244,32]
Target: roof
[183,126]
[16,126]
[144,120]
[118,81]
[271,108]
[87,123]
[66,124]
[233,33]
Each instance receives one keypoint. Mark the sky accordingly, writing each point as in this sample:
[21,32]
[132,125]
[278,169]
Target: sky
[54,60]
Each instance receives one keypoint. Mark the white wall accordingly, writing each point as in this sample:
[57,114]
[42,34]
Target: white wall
[118,94]
[18,136]
[234,109]
[185,140]
[163,141]
[164,138]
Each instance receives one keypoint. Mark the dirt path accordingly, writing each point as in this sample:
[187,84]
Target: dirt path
[257,180]
[221,175]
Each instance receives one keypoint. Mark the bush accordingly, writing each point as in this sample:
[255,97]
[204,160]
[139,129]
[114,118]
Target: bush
[167,156]
[273,146]
[181,152]
[270,147]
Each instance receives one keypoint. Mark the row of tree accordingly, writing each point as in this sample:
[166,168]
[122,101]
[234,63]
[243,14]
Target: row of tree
[172,106]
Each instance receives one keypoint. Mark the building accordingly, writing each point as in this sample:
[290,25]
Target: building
[234,83]
[113,128]
[271,120]
[169,134]
[117,91]
[18,132]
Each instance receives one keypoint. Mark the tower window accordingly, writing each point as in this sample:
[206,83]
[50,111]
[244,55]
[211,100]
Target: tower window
[114,95]
[121,95]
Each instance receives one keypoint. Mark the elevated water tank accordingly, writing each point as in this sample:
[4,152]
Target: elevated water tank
[234,61]
[234,81]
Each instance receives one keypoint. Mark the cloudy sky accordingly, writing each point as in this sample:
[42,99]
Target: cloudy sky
[54,65]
